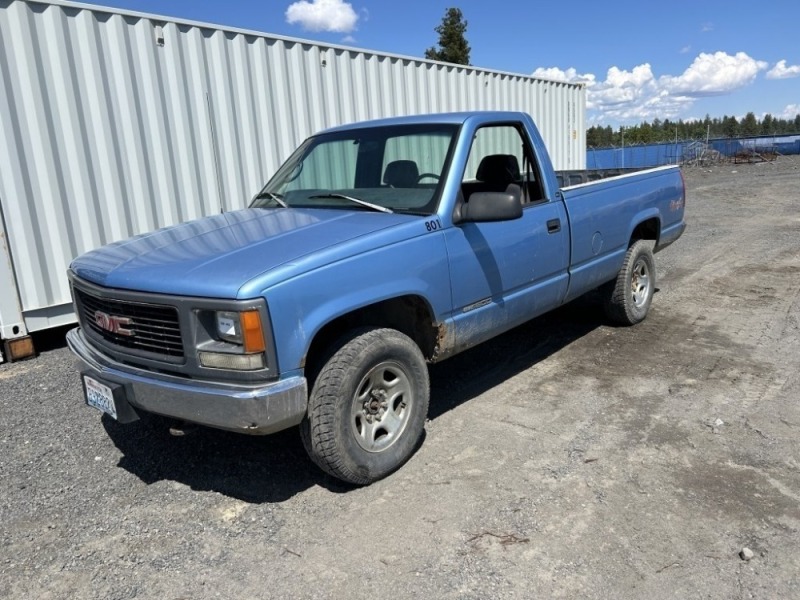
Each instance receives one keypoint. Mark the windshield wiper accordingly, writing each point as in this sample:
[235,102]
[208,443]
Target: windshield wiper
[356,200]
[272,196]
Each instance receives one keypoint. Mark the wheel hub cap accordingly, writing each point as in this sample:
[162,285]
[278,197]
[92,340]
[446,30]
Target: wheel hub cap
[640,283]
[381,406]
[375,406]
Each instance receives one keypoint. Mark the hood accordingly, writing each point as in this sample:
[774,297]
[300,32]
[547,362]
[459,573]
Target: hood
[216,256]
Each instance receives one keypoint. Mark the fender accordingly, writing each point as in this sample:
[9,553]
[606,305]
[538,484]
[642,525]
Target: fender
[641,217]
[301,306]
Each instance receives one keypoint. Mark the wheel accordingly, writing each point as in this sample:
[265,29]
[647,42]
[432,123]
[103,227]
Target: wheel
[368,405]
[628,297]
[428,175]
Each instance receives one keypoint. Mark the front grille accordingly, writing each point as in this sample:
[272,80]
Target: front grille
[154,330]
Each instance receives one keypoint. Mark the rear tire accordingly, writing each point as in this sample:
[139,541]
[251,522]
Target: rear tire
[367,409]
[628,297]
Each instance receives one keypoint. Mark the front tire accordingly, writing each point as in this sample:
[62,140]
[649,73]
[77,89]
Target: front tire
[628,297]
[368,404]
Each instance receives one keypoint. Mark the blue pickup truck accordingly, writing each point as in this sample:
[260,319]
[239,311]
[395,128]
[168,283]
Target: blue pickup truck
[376,248]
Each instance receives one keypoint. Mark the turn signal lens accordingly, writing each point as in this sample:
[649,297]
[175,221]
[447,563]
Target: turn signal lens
[252,333]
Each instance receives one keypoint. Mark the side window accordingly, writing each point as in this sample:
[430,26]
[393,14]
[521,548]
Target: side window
[501,161]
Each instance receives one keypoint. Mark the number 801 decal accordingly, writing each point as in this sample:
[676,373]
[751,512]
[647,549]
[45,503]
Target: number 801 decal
[434,225]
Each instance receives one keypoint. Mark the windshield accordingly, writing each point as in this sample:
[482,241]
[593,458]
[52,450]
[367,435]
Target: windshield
[390,169]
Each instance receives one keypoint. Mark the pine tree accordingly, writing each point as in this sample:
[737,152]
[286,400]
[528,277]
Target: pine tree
[598,136]
[767,125]
[749,125]
[730,126]
[453,46]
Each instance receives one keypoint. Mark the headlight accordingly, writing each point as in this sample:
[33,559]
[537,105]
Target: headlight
[240,344]
[229,326]
[243,328]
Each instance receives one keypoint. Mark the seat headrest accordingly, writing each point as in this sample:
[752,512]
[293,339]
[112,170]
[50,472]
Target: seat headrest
[498,168]
[401,174]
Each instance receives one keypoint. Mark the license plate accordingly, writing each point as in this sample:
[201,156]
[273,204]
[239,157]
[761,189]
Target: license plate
[100,396]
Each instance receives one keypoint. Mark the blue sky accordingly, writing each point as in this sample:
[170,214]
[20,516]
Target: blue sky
[682,59]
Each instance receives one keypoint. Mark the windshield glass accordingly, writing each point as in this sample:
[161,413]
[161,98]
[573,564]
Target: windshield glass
[399,168]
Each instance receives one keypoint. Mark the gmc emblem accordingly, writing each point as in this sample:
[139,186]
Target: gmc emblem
[113,323]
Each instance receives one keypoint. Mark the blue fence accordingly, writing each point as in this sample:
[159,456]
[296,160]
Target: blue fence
[656,155]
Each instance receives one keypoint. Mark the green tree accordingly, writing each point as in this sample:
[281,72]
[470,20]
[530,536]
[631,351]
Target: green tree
[608,136]
[453,46]
[730,126]
[643,134]
[598,136]
[668,130]
[594,137]
[749,125]
[768,125]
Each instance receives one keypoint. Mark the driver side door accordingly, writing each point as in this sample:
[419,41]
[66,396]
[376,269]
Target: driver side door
[505,273]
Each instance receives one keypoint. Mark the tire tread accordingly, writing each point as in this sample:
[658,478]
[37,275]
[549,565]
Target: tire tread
[318,428]
[617,305]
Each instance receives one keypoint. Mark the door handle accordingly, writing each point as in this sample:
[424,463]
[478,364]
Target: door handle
[554,226]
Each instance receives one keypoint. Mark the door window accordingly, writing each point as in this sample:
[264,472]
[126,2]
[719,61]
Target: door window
[501,160]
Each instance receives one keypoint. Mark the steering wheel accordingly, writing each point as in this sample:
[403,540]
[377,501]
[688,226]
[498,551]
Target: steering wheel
[431,175]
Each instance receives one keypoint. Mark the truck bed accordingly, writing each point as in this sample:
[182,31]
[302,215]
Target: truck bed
[604,212]
[578,177]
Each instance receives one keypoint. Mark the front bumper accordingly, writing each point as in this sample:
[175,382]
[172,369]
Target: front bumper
[254,409]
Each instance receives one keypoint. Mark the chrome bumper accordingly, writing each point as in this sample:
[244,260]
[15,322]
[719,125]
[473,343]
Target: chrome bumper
[254,409]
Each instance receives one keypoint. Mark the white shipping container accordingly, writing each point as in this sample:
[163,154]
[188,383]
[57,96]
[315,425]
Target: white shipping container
[113,123]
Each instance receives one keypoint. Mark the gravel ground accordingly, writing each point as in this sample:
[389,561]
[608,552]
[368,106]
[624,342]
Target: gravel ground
[581,460]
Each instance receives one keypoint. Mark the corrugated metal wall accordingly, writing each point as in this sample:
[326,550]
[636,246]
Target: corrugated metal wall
[114,123]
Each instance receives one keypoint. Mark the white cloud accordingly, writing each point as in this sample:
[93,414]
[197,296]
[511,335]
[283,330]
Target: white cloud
[686,49]
[323,15]
[707,27]
[349,39]
[641,75]
[713,74]
[638,94]
[623,89]
[790,112]
[623,95]
[781,71]
[568,76]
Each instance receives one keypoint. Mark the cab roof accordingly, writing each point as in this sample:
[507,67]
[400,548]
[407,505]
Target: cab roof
[454,118]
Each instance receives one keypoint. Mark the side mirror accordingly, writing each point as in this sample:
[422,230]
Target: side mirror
[491,206]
